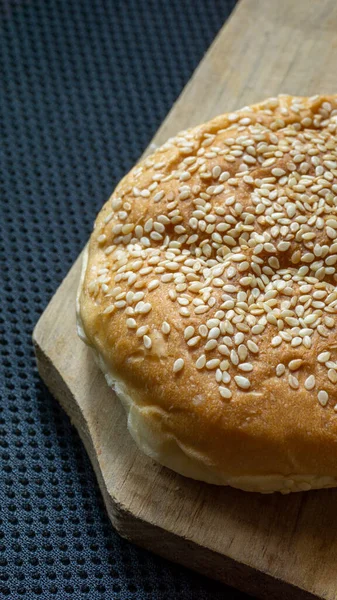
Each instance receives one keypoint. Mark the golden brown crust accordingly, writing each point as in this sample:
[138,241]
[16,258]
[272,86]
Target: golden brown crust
[206,236]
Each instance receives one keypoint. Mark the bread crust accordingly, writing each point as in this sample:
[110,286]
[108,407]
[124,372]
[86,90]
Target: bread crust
[184,230]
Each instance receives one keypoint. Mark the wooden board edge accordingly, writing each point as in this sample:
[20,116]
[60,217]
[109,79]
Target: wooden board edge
[37,335]
[152,537]
[59,390]
[163,132]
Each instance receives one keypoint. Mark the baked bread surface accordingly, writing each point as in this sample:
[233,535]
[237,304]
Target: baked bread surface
[208,294]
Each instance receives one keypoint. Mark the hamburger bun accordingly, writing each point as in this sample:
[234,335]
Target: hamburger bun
[208,294]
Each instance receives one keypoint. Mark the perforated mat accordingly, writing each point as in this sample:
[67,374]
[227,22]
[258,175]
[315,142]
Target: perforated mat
[84,85]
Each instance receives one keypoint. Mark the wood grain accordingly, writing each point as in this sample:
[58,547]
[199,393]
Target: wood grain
[269,546]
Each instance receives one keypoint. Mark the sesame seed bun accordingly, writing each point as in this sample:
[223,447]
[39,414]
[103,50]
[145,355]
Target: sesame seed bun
[208,295]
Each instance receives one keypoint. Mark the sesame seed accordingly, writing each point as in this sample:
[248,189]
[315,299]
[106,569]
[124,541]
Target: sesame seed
[142,330]
[210,345]
[218,375]
[214,333]
[178,365]
[234,357]
[238,338]
[242,350]
[310,382]
[256,329]
[193,341]
[158,196]
[252,347]
[120,304]
[293,382]
[246,367]
[143,307]
[295,364]
[242,382]
[213,363]
[147,342]
[153,284]
[131,323]
[280,370]
[332,375]
[226,378]
[323,397]
[225,392]
[225,175]
[166,328]
[283,246]
[278,172]
[223,349]
[310,319]
[331,233]
[231,289]
[201,361]
[201,309]
[109,309]
[323,357]
[189,332]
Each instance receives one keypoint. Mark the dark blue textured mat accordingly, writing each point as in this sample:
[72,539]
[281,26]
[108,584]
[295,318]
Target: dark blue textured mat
[84,85]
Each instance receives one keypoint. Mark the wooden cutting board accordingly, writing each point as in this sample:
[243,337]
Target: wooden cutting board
[269,546]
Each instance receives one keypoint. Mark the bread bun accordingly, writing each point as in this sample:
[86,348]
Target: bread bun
[208,294]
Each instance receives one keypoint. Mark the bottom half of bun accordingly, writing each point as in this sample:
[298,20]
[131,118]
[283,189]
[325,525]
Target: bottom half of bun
[152,428]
